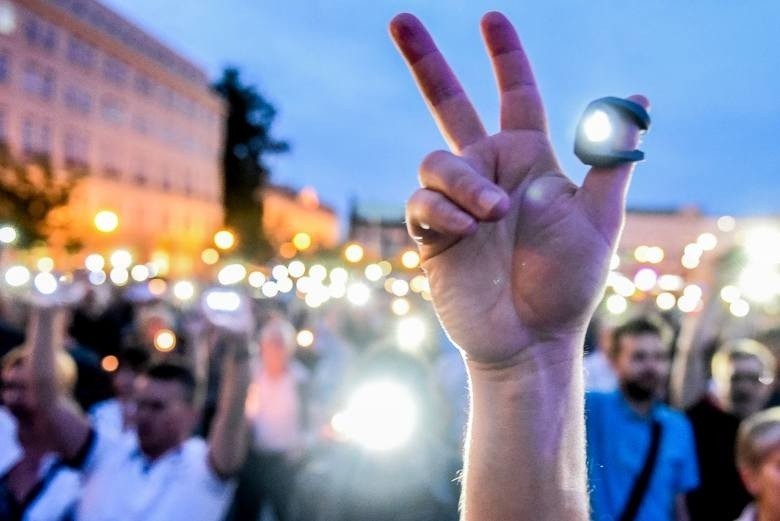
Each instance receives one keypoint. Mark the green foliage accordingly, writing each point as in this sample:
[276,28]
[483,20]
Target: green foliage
[29,191]
[247,141]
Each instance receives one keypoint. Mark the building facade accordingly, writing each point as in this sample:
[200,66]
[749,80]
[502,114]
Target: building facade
[94,93]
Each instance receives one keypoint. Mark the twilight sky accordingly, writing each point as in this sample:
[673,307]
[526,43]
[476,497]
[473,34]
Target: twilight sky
[359,128]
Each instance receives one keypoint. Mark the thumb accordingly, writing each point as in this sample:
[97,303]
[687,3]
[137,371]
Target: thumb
[604,189]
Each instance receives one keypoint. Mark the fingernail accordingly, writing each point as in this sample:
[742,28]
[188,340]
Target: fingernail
[489,198]
[463,222]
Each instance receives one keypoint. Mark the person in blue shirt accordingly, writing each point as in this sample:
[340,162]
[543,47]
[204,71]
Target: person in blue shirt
[620,428]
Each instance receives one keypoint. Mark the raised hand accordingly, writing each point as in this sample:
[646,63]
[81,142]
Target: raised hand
[516,253]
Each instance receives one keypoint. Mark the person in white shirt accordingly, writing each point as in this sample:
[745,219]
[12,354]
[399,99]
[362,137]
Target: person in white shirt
[275,411]
[35,485]
[167,474]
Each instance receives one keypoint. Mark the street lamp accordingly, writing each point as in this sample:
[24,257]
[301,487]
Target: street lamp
[106,221]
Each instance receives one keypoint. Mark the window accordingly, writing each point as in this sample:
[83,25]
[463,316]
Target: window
[81,53]
[5,65]
[76,145]
[144,85]
[78,99]
[36,137]
[110,161]
[40,34]
[115,71]
[113,110]
[38,81]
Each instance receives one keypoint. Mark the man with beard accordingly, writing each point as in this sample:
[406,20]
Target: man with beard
[742,376]
[641,456]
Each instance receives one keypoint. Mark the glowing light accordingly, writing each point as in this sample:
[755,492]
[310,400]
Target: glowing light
[726,223]
[665,301]
[762,245]
[687,303]
[160,263]
[337,290]
[353,253]
[693,291]
[95,262]
[7,234]
[121,259]
[758,282]
[597,127]
[231,274]
[707,241]
[645,279]
[139,273]
[302,241]
[45,283]
[655,254]
[693,250]
[305,338]
[184,290]
[410,259]
[316,298]
[17,276]
[358,294]
[730,294]
[614,262]
[106,221]
[318,272]
[386,268]
[739,308]
[209,256]
[256,279]
[285,285]
[380,416]
[45,264]
[224,239]
[119,276]
[280,272]
[96,278]
[640,253]
[109,363]
[270,289]
[338,276]
[621,284]
[616,304]
[411,333]
[401,306]
[373,272]
[157,287]
[223,300]
[304,284]
[419,283]
[296,269]
[288,250]
[689,262]
[165,340]
[671,282]
[400,288]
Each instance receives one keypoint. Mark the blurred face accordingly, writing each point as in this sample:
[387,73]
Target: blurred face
[17,392]
[273,352]
[123,382]
[740,388]
[642,366]
[163,417]
[764,483]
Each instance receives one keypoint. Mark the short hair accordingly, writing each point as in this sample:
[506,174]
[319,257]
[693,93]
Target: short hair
[177,373]
[285,329]
[741,349]
[135,358]
[757,437]
[65,370]
[634,327]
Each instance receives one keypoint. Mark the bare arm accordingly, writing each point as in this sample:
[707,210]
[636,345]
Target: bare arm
[501,230]
[70,429]
[228,440]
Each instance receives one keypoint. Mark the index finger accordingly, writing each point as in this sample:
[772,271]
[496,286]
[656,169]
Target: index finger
[451,108]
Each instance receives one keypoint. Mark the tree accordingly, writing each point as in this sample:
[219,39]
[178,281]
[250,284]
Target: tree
[29,194]
[247,141]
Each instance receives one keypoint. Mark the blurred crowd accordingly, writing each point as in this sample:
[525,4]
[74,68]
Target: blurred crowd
[128,408]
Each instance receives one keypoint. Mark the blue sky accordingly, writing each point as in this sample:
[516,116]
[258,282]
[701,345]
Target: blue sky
[358,127]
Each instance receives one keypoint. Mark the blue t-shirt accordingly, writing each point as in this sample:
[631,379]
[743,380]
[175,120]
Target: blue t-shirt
[618,440]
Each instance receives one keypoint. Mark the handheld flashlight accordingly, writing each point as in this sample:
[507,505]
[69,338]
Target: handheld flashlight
[51,290]
[604,126]
[228,309]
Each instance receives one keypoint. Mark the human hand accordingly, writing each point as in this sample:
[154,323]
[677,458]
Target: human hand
[515,252]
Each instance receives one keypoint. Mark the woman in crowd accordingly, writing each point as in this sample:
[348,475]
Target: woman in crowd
[758,458]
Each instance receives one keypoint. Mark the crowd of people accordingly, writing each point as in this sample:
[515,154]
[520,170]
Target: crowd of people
[236,423]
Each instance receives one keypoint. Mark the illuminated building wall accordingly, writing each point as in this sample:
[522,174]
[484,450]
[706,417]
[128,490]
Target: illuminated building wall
[87,88]
[287,213]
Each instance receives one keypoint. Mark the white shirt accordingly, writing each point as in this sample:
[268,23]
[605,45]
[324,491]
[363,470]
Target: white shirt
[107,417]
[121,484]
[273,409]
[61,491]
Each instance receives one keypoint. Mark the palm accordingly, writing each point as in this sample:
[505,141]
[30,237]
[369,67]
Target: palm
[534,268]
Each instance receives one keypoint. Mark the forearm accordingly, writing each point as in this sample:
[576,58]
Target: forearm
[525,452]
[228,440]
[689,373]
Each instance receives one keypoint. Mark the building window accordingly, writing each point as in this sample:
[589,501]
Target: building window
[113,110]
[144,85]
[36,137]
[111,161]
[5,66]
[76,147]
[40,34]
[81,53]
[78,99]
[38,81]
[115,71]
